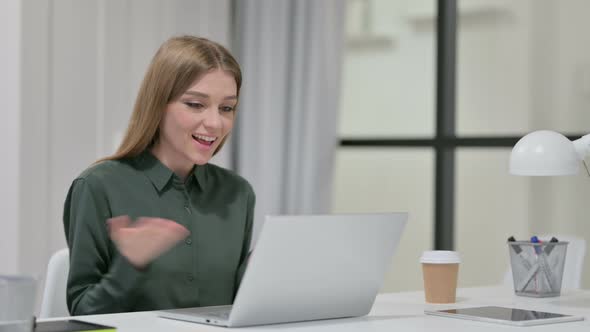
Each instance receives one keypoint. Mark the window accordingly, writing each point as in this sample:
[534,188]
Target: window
[387,100]
[437,144]
[521,67]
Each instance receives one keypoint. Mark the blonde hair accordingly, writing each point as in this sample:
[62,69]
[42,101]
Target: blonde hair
[177,64]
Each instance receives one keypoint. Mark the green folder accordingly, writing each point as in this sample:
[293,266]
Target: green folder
[71,325]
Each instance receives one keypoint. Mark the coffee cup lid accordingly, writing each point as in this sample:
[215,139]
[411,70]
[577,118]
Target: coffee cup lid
[440,257]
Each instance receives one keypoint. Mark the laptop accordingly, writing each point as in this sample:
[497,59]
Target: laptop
[307,268]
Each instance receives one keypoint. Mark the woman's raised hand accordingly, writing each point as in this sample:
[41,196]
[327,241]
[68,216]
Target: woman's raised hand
[146,239]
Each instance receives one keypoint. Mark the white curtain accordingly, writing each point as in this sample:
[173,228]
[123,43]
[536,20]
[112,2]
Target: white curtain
[290,52]
[84,60]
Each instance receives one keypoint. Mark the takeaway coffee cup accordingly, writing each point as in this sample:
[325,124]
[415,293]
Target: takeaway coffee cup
[440,269]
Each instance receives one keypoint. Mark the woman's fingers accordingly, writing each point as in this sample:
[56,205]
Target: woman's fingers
[165,225]
[116,224]
[146,239]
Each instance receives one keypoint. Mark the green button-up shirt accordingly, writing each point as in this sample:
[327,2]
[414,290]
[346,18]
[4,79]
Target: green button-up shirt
[214,204]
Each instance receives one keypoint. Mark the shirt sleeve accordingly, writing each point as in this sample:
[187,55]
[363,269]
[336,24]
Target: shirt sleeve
[100,280]
[247,237]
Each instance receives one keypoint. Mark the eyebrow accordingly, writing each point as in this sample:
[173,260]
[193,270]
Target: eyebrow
[204,95]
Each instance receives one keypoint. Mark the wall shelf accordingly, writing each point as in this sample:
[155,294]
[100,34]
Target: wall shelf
[369,42]
[422,12]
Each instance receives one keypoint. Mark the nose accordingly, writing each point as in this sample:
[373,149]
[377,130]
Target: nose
[212,119]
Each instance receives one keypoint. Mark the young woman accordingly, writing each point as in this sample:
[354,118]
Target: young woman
[154,226]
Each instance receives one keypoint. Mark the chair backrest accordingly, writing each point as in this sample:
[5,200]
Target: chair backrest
[54,295]
[574,262]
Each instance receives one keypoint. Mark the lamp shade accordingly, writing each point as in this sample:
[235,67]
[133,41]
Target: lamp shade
[544,153]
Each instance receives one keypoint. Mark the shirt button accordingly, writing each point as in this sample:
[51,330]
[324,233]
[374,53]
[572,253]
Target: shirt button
[188,209]
[190,278]
[188,241]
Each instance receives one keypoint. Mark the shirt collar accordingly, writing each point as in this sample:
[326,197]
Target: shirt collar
[200,174]
[160,175]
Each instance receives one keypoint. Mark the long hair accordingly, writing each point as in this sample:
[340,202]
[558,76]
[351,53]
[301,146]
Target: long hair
[177,64]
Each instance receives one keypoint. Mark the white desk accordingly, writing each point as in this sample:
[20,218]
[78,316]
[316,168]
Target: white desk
[392,312]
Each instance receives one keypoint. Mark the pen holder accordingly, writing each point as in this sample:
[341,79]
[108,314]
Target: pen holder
[537,268]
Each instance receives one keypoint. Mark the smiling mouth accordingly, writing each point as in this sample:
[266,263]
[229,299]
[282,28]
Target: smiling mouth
[205,140]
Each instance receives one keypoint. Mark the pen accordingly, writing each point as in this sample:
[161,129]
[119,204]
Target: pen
[550,247]
[542,261]
[535,239]
[524,258]
[532,273]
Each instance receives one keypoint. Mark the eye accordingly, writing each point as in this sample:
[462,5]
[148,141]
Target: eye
[227,108]
[194,105]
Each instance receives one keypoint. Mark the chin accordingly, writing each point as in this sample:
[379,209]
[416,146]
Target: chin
[201,160]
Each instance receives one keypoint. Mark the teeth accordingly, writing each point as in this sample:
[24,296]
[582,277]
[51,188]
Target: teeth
[205,138]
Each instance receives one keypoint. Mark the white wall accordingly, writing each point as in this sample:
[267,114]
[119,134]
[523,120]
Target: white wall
[35,238]
[494,67]
[70,70]
[80,68]
[561,95]
[491,205]
[10,58]
[493,98]
[388,86]
[522,65]
[386,180]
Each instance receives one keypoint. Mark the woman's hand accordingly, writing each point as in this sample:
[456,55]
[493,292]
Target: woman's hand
[146,239]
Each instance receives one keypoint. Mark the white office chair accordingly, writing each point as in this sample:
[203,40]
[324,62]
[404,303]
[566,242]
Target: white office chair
[54,295]
[574,263]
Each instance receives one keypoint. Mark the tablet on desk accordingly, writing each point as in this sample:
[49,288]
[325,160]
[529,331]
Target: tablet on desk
[502,315]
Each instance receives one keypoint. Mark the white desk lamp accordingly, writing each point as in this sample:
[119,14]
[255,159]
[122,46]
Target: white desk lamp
[547,153]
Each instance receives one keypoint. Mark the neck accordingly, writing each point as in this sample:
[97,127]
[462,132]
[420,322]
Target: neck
[164,155]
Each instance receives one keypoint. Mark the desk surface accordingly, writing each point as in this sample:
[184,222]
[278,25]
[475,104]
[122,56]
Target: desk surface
[391,312]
